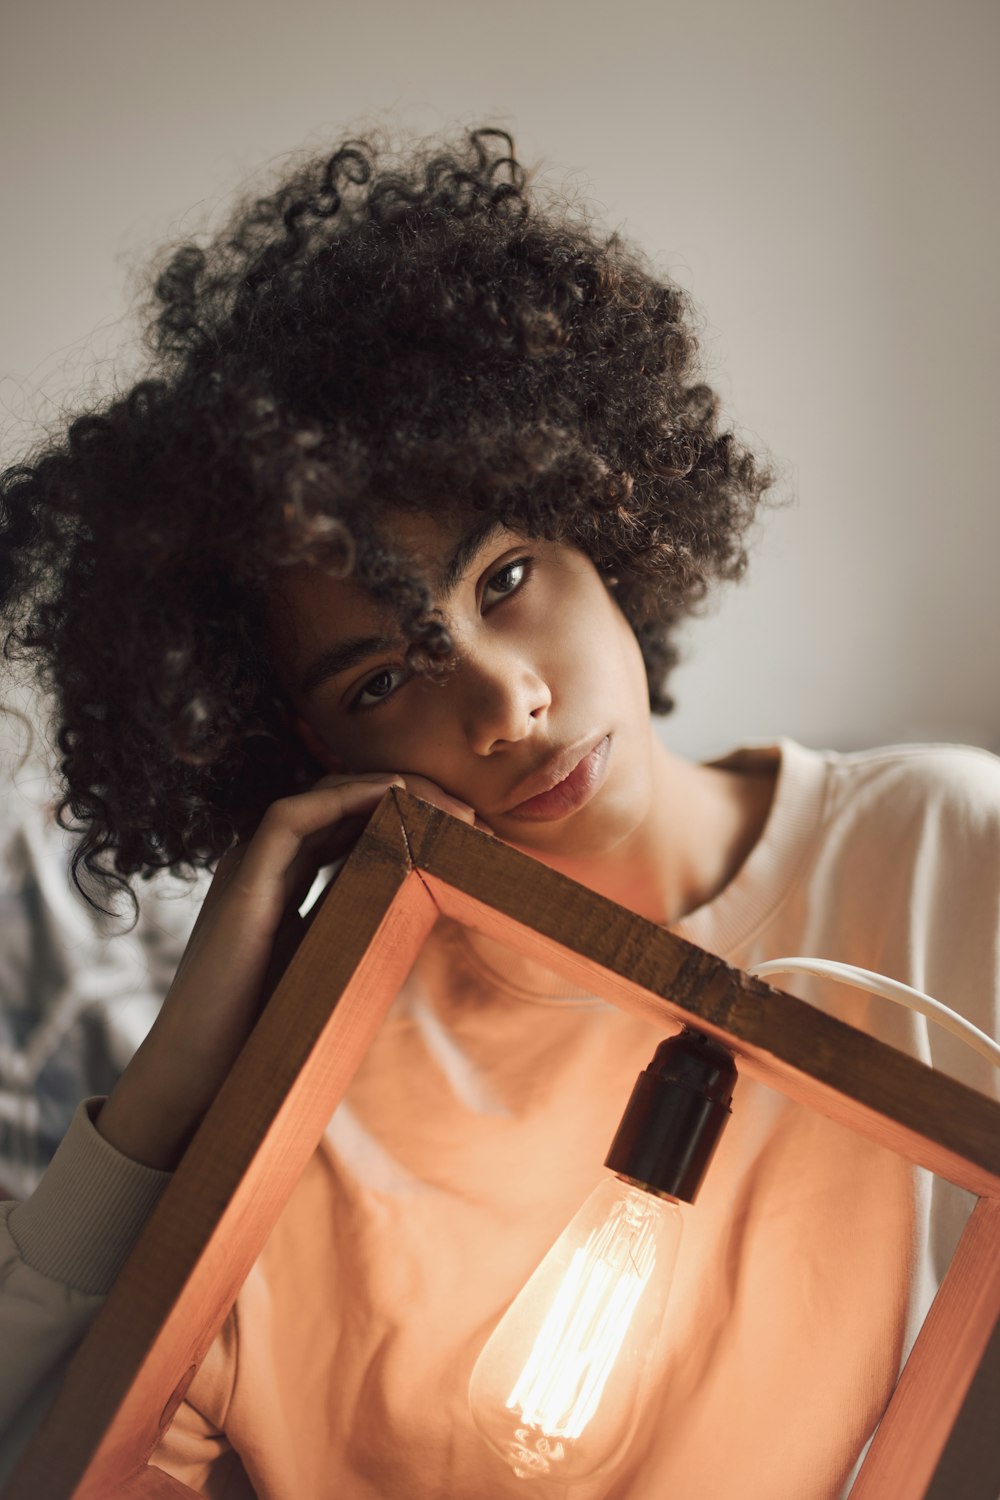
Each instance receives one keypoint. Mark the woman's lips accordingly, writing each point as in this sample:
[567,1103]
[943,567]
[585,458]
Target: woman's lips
[567,795]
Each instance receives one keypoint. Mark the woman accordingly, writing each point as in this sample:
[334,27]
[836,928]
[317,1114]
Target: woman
[418,491]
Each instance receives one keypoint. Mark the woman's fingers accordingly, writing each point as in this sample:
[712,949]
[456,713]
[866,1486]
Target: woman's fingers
[429,791]
[303,830]
[324,813]
[258,882]
[301,833]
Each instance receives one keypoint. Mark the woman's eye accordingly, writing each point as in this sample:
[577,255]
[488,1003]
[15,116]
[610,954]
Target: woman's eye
[508,579]
[378,688]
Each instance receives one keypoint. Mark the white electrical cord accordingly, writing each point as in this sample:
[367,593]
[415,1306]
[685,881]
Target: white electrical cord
[891,989]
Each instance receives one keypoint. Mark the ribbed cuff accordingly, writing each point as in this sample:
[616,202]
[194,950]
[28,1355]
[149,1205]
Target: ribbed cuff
[88,1210]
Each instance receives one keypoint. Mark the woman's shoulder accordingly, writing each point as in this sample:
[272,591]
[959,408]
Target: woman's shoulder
[956,787]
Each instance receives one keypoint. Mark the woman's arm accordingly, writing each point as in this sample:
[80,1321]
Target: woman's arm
[61,1249]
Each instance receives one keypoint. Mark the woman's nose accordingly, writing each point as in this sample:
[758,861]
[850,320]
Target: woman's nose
[504,700]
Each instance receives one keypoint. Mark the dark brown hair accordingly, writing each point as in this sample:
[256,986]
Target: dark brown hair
[419,330]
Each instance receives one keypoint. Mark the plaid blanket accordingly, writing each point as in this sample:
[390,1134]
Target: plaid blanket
[77,991]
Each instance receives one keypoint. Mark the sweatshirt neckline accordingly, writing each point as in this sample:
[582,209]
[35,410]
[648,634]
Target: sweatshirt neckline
[775,862]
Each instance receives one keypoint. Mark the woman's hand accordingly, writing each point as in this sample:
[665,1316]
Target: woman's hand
[246,932]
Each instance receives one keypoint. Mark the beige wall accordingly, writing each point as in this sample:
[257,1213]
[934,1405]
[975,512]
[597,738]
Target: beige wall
[822,176]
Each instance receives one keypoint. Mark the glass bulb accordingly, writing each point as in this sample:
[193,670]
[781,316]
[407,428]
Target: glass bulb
[557,1388]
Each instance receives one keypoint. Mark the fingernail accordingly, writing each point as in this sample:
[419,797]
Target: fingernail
[460,809]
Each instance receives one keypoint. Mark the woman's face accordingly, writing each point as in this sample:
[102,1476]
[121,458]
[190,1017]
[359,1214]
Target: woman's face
[549,684]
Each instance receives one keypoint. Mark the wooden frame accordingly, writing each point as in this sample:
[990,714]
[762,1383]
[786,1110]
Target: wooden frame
[412,864]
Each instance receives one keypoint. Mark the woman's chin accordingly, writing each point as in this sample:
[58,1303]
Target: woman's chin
[577,840]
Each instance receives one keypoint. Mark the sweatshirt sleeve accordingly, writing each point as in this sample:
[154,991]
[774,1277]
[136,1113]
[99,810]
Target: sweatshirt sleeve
[60,1252]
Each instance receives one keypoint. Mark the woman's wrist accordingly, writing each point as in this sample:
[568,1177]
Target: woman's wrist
[137,1121]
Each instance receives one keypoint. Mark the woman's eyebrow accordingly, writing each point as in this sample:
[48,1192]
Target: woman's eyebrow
[342,657]
[475,540]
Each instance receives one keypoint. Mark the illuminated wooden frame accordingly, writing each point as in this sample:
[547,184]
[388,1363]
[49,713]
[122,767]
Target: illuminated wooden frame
[412,865]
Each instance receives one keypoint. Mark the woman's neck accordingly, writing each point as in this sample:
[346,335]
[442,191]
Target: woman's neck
[701,825]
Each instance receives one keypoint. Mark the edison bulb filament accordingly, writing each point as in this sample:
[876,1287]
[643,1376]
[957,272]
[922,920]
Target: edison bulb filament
[556,1389]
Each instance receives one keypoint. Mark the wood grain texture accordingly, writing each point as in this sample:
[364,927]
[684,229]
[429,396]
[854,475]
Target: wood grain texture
[412,864]
[928,1398]
[784,1042]
[970,1463]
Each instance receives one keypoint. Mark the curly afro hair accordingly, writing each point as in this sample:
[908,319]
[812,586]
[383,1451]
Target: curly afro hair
[418,330]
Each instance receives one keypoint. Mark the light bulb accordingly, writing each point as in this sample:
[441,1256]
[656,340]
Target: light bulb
[557,1389]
